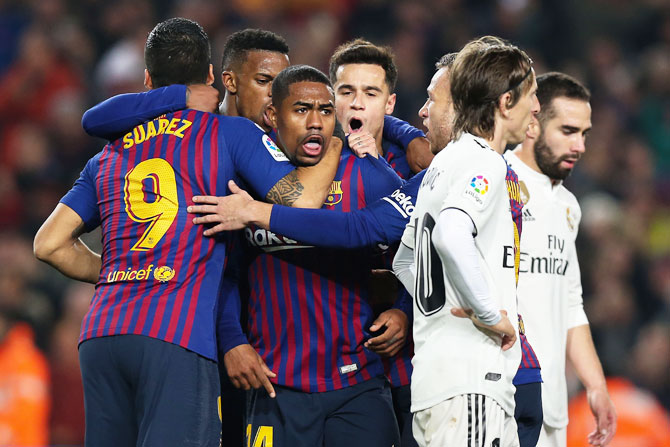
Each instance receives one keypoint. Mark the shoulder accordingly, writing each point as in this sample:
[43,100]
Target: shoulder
[569,199]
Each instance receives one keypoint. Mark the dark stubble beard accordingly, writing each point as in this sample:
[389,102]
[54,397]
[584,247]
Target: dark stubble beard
[548,164]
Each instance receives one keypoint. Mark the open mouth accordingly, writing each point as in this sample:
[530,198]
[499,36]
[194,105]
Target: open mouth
[355,125]
[312,145]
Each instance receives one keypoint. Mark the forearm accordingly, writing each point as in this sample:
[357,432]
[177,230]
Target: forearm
[582,355]
[308,186]
[57,243]
[403,263]
[454,241]
[419,155]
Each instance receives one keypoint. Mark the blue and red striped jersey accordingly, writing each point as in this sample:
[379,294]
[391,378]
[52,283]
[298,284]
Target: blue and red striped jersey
[529,368]
[397,159]
[308,309]
[160,276]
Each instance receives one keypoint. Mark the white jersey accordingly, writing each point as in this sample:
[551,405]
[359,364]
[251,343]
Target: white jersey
[451,355]
[550,289]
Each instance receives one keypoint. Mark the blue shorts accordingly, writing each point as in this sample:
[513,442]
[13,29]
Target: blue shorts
[402,401]
[528,413]
[356,416]
[140,391]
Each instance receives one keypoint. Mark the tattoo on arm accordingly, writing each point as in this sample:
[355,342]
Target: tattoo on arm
[286,191]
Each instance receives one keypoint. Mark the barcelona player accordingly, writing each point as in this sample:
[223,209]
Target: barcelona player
[147,346]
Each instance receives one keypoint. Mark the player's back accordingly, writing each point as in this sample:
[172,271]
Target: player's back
[453,356]
[160,275]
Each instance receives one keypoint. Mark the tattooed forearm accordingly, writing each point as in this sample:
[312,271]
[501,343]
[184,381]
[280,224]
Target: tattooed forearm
[286,191]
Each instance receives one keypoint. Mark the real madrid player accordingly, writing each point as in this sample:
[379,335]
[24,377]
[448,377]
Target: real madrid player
[147,346]
[462,392]
[550,291]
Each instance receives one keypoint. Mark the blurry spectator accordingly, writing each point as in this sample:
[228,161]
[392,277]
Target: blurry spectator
[67,416]
[24,385]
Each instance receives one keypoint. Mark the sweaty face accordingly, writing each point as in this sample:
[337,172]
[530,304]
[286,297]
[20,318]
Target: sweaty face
[305,121]
[562,141]
[521,114]
[254,84]
[362,98]
[438,111]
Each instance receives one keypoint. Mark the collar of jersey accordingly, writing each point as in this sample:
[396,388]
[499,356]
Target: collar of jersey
[528,172]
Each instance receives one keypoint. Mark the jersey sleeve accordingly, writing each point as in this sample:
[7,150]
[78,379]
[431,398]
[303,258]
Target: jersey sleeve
[379,179]
[476,190]
[256,158]
[83,198]
[228,323]
[399,131]
[115,116]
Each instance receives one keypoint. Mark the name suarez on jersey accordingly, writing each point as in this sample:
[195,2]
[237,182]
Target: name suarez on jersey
[160,126]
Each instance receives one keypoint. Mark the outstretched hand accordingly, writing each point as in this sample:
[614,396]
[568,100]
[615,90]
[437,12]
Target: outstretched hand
[502,328]
[228,212]
[247,369]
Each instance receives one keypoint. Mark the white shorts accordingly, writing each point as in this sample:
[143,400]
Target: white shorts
[469,420]
[553,437]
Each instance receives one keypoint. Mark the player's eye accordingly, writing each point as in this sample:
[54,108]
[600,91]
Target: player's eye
[371,94]
[301,110]
[263,81]
[346,93]
[327,111]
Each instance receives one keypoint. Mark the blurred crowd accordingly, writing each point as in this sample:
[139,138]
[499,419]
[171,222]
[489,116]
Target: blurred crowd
[59,57]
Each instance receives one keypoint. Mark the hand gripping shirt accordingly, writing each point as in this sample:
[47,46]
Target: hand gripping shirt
[452,356]
[550,291]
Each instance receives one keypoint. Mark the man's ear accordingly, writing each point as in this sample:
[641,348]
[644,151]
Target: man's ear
[229,81]
[148,83]
[503,104]
[390,105]
[272,115]
[210,75]
[534,129]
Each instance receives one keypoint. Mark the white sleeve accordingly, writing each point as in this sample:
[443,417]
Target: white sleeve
[403,267]
[454,241]
[576,315]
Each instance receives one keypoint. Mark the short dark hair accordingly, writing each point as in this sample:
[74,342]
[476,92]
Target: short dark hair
[361,51]
[557,85]
[291,75]
[177,52]
[240,43]
[482,72]
[446,61]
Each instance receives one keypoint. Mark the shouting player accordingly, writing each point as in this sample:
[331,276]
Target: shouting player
[147,347]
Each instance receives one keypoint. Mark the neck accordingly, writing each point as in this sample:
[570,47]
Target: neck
[497,142]
[378,141]
[228,106]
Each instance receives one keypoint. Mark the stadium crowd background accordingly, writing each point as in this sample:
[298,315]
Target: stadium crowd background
[59,57]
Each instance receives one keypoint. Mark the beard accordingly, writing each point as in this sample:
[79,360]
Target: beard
[548,163]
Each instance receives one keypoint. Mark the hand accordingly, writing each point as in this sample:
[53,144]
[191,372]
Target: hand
[393,338]
[502,328]
[247,369]
[419,155]
[605,415]
[362,143]
[204,98]
[227,211]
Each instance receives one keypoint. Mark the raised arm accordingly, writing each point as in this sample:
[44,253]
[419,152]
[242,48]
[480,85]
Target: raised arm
[113,117]
[308,186]
[58,244]
[417,147]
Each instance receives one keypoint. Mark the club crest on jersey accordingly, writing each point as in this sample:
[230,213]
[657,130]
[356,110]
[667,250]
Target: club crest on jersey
[525,194]
[273,149]
[164,273]
[335,194]
[570,219]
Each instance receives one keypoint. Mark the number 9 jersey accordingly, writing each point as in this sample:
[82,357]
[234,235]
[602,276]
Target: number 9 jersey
[160,276]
